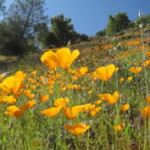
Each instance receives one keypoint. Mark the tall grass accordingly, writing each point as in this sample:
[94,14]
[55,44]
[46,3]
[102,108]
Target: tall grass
[111,127]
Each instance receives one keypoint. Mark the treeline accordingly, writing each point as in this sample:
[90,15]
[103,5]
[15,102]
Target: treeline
[24,27]
[120,22]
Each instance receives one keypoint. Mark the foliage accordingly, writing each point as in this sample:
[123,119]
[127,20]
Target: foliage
[100,102]
[60,33]
[117,23]
[18,33]
[145,20]
[100,33]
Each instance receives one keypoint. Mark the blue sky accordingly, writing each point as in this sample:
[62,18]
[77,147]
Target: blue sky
[90,16]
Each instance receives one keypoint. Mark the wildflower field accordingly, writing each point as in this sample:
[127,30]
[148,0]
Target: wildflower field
[91,96]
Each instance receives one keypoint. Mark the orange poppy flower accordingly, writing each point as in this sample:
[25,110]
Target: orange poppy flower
[94,111]
[64,58]
[105,73]
[129,78]
[98,102]
[20,75]
[14,111]
[125,107]
[8,99]
[61,102]
[147,54]
[1,76]
[146,111]
[72,112]
[121,79]
[28,104]
[44,98]
[84,108]
[29,94]
[46,58]
[13,83]
[146,63]
[77,129]
[111,99]
[135,70]
[51,112]
[148,99]
[81,71]
[119,127]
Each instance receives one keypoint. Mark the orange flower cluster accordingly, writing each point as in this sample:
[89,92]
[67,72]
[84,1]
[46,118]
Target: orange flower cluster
[14,111]
[135,70]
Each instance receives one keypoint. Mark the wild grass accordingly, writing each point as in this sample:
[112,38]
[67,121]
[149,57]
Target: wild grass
[111,128]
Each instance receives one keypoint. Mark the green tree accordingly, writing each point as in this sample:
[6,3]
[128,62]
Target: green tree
[22,17]
[62,29]
[145,20]
[45,37]
[60,33]
[100,33]
[117,23]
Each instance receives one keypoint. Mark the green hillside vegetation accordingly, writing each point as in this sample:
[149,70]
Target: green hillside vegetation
[74,92]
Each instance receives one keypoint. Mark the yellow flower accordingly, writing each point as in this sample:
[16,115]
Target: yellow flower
[129,78]
[146,63]
[119,127]
[29,94]
[105,73]
[98,102]
[90,92]
[148,99]
[61,102]
[77,129]
[121,79]
[20,76]
[72,112]
[13,111]
[125,107]
[111,99]
[8,99]
[146,111]
[51,112]
[64,58]
[1,76]
[147,54]
[46,58]
[94,111]
[116,69]
[135,70]
[44,98]
[74,78]
[28,104]
[13,83]
[81,71]
[84,108]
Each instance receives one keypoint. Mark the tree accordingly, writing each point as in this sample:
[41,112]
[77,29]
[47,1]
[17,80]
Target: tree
[22,17]
[62,29]
[117,23]
[145,20]
[45,37]
[100,33]
[60,33]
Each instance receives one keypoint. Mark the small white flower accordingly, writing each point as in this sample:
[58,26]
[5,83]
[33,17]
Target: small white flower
[140,25]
